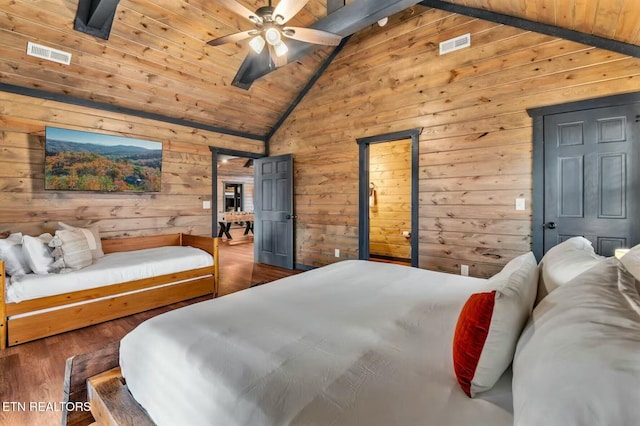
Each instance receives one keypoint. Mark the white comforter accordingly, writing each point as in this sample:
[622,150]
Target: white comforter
[113,268]
[353,343]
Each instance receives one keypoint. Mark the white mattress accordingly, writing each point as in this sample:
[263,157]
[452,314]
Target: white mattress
[353,343]
[113,268]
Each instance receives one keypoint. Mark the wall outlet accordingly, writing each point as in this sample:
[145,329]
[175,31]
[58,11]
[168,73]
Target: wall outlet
[337,253]
[206,204]
[464,270]
[520,204]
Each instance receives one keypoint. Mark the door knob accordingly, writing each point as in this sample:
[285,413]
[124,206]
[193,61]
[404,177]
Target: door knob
[292,216]
[550,225]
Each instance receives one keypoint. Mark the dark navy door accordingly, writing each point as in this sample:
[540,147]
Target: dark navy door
[273,211]
[591,177]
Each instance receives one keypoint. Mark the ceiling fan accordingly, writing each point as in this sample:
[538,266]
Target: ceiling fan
[270,29]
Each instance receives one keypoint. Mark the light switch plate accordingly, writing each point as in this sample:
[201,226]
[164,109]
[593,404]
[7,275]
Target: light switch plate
[337,252]
[206,204]
[520,204]
[464,270]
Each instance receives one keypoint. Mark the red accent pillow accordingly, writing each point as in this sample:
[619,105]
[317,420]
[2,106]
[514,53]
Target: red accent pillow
[470,336]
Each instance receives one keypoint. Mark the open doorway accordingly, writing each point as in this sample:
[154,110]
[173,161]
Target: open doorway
[378,182]
[235,198]
[267,197]
[390,201]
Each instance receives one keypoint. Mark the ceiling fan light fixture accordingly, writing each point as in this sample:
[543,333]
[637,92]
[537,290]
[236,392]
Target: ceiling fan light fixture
[270,31]
[257,44]
[281,49]
[273,37]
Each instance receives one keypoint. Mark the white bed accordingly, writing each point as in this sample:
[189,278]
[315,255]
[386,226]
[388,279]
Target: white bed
[353,343]
[113,268]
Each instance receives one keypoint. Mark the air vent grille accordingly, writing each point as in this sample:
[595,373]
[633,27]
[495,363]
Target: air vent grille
[455,44]
[48,53]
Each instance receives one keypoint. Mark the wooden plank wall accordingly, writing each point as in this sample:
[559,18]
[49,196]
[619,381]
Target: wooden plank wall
[390,214]
[475,149]
[186,173]
[234,171]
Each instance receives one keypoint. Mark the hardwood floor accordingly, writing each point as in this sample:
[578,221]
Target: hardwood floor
[33,372]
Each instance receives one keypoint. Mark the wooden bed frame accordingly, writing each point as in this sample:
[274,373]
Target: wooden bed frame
[202,281]
[95,377]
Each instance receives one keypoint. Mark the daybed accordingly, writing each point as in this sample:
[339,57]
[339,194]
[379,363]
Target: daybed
[368,343]
[43,314]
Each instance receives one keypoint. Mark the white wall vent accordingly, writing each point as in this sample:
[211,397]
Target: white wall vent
[48,53]
[456,43]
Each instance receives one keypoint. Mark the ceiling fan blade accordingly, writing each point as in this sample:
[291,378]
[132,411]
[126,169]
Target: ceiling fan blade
[279,61]
[232,38]
[287,9]
[241,10]
[309,35]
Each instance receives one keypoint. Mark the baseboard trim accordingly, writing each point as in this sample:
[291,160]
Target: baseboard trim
[302,267]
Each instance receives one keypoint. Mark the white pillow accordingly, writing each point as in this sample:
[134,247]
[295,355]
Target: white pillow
[37,253]
[71,249]
[629,277]
[564,262]
[92,234]
[578,359]
[11,253]
[527,289]
[490,323]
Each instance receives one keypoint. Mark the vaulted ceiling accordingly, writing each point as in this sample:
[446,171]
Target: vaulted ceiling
[156,59]
[614,19]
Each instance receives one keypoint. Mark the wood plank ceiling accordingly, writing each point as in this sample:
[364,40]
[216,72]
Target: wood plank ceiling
[157,60]
[614,19]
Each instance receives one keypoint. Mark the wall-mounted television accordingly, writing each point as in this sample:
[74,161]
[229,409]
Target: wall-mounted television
[86,161]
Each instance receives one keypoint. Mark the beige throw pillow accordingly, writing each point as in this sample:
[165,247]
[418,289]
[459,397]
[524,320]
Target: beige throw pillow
[92,234]
[72,248]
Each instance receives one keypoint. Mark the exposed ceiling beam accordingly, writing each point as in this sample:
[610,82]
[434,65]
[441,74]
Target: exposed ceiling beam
[345,21]
[95,17]
[333,5]
[538,27]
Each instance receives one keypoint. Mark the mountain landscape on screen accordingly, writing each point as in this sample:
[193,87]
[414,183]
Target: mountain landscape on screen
[83,161]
